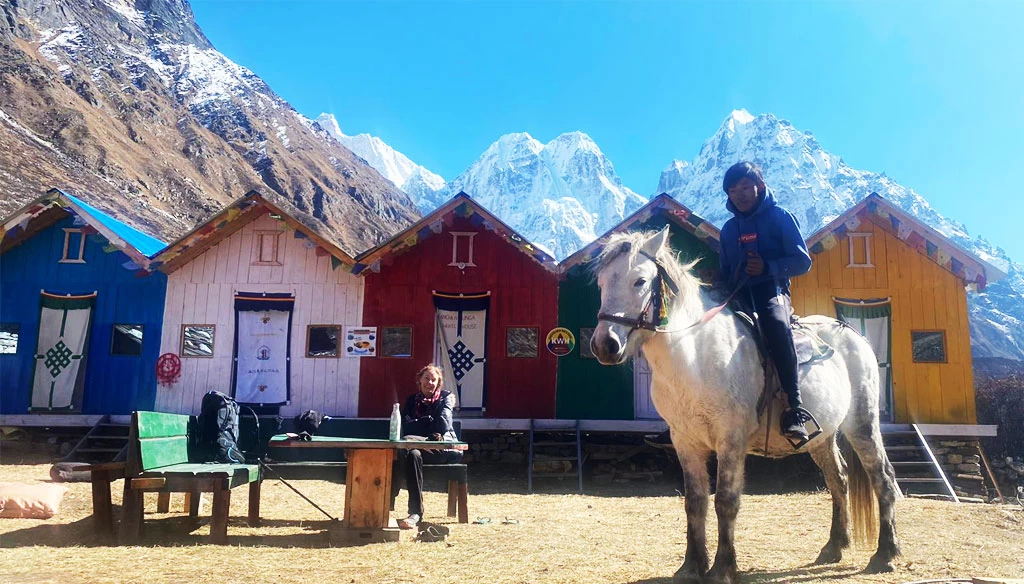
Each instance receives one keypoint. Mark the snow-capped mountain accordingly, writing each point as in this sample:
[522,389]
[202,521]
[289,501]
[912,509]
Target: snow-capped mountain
[818,186]
[560,195]
[126,103]
[416,181]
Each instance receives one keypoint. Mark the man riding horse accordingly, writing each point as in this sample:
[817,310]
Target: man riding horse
[761,250]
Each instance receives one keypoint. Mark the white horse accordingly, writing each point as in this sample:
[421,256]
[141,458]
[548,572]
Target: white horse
[707,380]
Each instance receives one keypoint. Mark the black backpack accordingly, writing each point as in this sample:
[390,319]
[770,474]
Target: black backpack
[218,429]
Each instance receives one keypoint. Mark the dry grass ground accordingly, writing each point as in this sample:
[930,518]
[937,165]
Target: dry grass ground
[629,533]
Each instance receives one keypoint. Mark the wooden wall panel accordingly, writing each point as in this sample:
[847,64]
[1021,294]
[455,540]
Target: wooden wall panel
[202,292]
[924,297]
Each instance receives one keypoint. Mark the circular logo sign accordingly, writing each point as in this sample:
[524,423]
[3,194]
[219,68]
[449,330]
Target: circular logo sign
[560,341]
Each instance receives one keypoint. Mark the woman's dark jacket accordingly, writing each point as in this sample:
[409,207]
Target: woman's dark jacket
[437,421]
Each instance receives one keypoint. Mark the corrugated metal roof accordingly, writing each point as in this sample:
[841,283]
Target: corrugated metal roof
[149,246]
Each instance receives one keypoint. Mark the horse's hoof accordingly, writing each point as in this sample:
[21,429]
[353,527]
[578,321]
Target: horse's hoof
[879,565]
[830,554]
[687,575]
[722,576]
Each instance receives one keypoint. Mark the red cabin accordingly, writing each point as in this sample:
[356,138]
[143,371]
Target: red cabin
[463,285]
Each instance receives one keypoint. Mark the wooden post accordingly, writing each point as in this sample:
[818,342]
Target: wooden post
[464,502]
[102,510]
[163,502]
[368,487]
[254,502]
[453,497]
[221,507]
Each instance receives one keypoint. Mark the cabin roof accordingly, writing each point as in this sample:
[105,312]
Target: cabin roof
[461,205]
[38,214]
[912,231]
[664,204]
[229,220]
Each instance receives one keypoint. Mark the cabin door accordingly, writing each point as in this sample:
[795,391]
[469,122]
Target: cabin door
[873,319]
[58,377]
[643,407]
[460,346]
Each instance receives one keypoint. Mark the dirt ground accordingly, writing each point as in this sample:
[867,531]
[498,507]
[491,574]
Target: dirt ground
[616,532]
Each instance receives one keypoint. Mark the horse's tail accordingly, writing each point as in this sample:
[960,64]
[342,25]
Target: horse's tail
[863,503]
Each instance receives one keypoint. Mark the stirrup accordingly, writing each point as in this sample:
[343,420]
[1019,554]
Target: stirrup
[806,416]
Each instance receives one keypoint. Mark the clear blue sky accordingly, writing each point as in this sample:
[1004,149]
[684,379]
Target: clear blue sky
[928,92]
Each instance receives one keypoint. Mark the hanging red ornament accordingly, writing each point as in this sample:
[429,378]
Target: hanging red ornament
[168,369]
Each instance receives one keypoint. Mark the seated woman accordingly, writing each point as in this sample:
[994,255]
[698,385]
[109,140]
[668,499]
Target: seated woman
[427,415]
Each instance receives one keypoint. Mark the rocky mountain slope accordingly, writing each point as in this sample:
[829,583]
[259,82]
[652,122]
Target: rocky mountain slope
[126,104]
[817,186]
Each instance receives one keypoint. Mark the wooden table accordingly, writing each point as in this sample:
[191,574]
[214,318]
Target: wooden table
[367,480]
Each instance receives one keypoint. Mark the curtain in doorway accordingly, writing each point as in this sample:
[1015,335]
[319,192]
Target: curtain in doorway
[873,319]
[59,374]
[263,344]
[461,322]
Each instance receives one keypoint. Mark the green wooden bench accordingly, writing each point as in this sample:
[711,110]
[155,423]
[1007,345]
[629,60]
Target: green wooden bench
[330,463]
[159,461]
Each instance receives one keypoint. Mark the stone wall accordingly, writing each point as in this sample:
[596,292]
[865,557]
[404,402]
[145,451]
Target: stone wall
[961,461]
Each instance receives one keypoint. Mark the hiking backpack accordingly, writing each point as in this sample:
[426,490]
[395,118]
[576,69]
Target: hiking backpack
[218,429]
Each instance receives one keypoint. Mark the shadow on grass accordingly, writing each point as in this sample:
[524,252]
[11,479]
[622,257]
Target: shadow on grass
[804,574]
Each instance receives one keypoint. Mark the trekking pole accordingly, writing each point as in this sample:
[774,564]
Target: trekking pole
[277,476]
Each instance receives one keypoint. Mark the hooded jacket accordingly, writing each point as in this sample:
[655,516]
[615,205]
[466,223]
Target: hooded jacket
[772,232]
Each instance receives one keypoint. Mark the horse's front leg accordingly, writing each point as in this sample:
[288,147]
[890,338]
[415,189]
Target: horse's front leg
[695,473]
[727,505]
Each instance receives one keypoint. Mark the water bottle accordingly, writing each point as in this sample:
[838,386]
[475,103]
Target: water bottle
[395,432]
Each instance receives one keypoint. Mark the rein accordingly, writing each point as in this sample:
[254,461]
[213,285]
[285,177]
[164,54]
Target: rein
[657,301]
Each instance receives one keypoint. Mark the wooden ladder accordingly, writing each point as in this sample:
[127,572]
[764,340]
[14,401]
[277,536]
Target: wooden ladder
[555,441]
[914,462]
[104,442]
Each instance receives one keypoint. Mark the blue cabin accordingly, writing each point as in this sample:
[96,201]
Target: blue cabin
[80,312]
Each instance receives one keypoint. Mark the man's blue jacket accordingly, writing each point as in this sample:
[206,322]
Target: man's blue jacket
[772,232]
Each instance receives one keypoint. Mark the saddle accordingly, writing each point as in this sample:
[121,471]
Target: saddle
[810,348]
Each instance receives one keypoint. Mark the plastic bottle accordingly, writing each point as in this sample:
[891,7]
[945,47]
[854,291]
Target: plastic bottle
[395,432]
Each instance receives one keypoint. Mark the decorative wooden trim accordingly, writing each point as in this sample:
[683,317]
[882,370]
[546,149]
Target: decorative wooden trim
[67,242]
[867,239]
[181,350]
[260,237]
[337,350]
[455,249]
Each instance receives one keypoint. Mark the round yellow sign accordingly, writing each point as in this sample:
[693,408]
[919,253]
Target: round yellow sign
[560,341]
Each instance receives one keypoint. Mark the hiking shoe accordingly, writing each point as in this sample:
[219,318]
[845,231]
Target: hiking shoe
[793,424]
[409,522]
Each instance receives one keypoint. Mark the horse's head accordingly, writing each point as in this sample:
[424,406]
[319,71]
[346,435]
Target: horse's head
[630,274]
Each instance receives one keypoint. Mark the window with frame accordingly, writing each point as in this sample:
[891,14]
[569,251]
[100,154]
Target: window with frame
[197,340]
[396,341]
[126,339]
[267,248]
[323,340]
[462,249]
[928,346]
[9,333]
[74,246]
[521,342]
[860,250]
[586,333]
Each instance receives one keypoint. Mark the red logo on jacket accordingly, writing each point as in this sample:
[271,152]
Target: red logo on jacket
[748,237]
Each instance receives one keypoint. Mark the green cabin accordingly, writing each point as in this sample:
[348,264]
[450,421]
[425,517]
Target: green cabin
[586,389]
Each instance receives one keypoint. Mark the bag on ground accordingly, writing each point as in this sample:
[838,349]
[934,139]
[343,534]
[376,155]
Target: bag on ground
[218,429]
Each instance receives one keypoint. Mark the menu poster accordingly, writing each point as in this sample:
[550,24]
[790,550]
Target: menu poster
[360,341]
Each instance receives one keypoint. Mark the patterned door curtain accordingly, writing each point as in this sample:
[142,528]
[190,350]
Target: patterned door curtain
[59,374]
[263,346]
[461,345]
[872,317]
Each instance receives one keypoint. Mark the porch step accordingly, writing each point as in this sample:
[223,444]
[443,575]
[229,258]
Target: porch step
[106,441]
[914,461]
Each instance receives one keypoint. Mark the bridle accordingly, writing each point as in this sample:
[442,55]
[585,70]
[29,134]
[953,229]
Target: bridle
[663,286]
[655,305]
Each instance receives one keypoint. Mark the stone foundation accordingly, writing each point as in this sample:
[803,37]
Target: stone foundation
[961,461]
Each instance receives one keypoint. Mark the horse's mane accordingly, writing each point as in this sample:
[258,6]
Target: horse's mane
[631,243]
